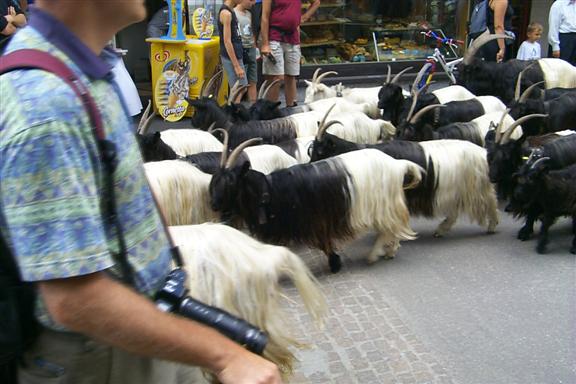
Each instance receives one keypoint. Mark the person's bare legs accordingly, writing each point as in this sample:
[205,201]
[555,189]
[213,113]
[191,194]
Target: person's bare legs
[252,92]
[275,90]
[290,90]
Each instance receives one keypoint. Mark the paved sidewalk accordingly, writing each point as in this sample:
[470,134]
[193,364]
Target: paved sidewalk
[365,341]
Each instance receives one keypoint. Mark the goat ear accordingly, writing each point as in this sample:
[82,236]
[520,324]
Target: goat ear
[308,82]
[277,104]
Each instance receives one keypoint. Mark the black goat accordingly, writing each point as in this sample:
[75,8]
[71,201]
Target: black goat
[561,112]
[554,191]
[506,156]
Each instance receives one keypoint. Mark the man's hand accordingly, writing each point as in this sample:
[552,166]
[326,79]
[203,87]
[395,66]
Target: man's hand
[265,50]
[556,54]
[239,71]
[500,55]
[9,30]
[249,368]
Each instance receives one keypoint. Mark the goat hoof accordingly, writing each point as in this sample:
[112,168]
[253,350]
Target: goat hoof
[524,235]
[541,248]
[335,262]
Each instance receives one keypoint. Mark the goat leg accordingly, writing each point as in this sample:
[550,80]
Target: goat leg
[573,249]
[334,261]
[445,225]
[547,221]
[528,229]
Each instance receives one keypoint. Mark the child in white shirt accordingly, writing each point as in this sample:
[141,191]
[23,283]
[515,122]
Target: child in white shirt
[530,48]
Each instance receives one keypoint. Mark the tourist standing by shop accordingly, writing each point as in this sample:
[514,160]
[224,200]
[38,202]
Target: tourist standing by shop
[562,32]
[231,51]
[245,24]
[530,49]
[280,33]
[498,21]
[95,328]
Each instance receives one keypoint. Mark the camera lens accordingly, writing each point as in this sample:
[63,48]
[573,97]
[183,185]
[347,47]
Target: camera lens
[236,329]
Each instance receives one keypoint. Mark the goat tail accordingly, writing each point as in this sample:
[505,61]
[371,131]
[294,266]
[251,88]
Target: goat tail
[413,175]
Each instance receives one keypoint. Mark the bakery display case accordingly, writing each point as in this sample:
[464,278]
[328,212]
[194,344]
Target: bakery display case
[344,34]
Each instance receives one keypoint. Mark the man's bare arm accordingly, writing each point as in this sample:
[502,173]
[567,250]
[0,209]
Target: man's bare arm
[107,311]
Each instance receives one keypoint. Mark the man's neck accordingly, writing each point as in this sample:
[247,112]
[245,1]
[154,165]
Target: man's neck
[93,34]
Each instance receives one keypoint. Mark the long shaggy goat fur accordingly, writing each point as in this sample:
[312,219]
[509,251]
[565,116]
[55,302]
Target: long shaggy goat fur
[322,203]
[461,171]
[456,178]
[190,141]
[232,271]
[182,192]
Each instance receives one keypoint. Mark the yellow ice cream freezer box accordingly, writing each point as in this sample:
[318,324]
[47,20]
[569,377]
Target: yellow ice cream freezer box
[180,69]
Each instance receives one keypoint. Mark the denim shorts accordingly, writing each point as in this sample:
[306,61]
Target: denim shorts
[229,69]
[250,66]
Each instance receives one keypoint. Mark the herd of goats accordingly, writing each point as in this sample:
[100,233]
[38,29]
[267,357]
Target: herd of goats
[353,160]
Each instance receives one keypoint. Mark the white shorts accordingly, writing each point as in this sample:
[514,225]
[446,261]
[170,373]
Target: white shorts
[287,60]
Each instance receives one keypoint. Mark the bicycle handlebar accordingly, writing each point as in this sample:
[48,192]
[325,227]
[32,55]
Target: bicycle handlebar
[452,42]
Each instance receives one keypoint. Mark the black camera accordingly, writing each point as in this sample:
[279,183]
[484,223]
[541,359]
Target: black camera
[173,298]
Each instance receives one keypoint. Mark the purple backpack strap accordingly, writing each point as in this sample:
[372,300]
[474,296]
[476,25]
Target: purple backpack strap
[36,59]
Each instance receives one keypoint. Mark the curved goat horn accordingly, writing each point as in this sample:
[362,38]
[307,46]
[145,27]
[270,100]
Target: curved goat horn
[540,160]
[424,110]
[326,116]
[397,77]
[415,95]
[207,85]
[261,90]
[420,75]
[323,129]
[224,156]
[389,75]
[519,82]
[528,91]
[144,116]
[319,78]
[484,38]
[500,126]
[506,135]
[233,92]
[236,152]
[269,87]
[315,75]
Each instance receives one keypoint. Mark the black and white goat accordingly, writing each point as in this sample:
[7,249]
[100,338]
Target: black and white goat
[172,143]
[322,203]
[395,105]
[499,79]
[456,178]
[437,115]
[262,158]
[358,126]
[473,131]
[553,191]
[316,90]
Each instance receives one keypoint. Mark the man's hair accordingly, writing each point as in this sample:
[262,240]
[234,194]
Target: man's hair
[534,27]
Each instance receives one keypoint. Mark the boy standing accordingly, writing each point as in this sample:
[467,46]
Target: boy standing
[530,48]
[248,45]
[231,43]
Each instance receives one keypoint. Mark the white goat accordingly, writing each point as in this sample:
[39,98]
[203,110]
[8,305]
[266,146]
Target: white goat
[234,272]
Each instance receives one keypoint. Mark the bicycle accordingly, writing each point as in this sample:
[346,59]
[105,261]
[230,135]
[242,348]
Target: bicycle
[438,58]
